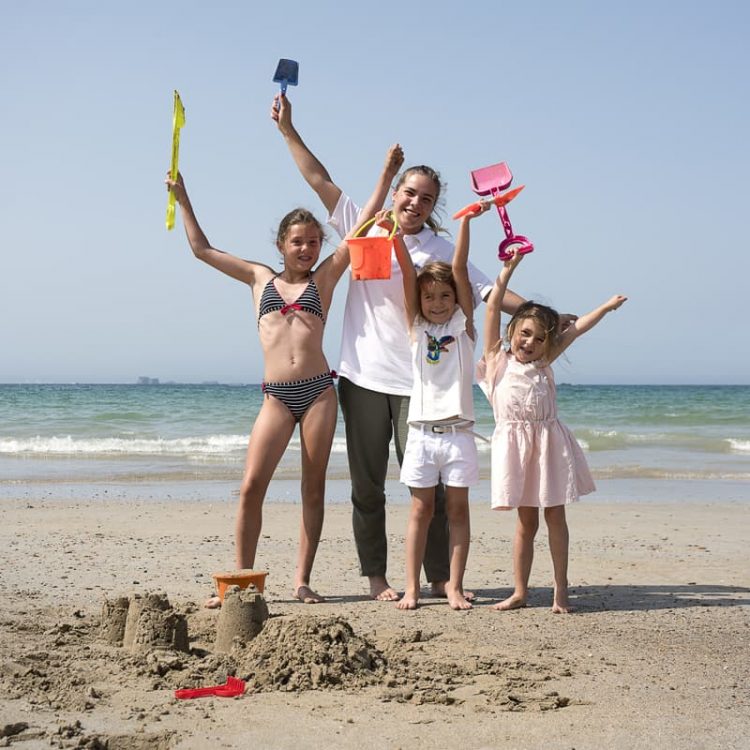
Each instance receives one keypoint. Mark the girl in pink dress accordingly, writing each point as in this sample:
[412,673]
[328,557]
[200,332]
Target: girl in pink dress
[536,461]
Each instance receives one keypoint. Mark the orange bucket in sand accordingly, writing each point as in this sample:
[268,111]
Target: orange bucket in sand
[371,256]
[241,578]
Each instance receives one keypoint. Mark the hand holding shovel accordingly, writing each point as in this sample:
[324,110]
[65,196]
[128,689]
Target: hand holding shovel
[287,74]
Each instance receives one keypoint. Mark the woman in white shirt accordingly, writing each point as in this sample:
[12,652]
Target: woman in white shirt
[375,375]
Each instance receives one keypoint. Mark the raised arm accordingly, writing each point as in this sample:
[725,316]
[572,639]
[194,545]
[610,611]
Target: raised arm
[335,265]
[495,305]
[237,268]
[311,169]
[460,267]
[585,323]
[394,160]
[408,274]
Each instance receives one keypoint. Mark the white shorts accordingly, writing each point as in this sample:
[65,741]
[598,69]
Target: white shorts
[448,457]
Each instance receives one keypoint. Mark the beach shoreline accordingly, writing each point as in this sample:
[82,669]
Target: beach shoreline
[338,491]
[659,644]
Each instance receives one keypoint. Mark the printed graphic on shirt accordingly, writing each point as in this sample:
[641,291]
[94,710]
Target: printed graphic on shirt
[435,346]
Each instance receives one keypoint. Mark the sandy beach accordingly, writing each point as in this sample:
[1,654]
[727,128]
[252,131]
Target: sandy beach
[656,656]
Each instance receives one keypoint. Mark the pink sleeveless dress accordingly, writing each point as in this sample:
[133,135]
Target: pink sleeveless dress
[536,461]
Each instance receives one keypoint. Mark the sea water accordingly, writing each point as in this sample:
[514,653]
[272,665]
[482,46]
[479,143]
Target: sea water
[665,443]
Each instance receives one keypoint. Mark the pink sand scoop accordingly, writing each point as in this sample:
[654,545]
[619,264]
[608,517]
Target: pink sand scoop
[492,181]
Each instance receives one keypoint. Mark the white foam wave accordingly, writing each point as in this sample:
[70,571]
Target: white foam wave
[739,446]
[196,446]
[68,445]
[629,437]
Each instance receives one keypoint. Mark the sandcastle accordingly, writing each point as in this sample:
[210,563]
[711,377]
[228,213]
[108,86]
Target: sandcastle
[242,617]
[142,623]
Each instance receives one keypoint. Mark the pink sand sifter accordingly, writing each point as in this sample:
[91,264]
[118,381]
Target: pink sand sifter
[491,181]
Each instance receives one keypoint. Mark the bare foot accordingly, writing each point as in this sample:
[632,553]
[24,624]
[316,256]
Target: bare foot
[514,601]
[408,601]
[307,596]
[438,590]
[381,591]
[213,602]
[560,603]
[457,599]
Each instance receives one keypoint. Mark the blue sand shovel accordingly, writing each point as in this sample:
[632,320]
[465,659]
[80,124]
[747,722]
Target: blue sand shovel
[287,74]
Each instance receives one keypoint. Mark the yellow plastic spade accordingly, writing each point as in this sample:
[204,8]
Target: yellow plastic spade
[178,120]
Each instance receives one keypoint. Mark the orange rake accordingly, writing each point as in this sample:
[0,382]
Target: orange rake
[498,200]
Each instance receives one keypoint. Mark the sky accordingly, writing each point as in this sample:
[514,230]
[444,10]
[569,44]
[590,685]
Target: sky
[627,122]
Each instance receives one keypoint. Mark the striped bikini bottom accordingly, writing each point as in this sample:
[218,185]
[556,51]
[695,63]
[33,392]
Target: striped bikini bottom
[299,395]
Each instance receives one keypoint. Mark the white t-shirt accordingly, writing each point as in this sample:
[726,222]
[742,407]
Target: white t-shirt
[443,367]
[375,344]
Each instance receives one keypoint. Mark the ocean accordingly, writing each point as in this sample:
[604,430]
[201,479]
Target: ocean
[141,442]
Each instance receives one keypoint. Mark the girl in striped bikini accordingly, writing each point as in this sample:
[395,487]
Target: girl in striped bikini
[291,309]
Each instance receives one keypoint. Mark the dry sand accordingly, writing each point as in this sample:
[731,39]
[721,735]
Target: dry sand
[657,655]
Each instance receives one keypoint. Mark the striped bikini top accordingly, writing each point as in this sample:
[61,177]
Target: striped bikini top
[308,301]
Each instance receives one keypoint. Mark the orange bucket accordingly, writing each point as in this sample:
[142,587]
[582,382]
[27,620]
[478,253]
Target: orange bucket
[241,578]
[371,256]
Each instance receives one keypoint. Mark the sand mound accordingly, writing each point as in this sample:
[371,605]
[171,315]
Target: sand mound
[305,653]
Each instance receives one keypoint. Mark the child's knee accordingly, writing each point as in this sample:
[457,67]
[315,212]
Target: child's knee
[528,521]
[422,510]
[313,489]
[555,516]
[458,513]
[252,491]
[313,497]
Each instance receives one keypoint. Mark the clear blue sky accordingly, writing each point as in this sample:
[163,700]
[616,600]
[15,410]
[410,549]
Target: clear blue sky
[627,122]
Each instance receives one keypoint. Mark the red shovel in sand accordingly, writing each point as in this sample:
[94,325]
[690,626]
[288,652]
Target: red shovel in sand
[230,689]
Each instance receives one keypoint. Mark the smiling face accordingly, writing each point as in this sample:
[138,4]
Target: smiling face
[414,200]
[528,340]
[533,332]
[436,288]
[301,246]
[437,301]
